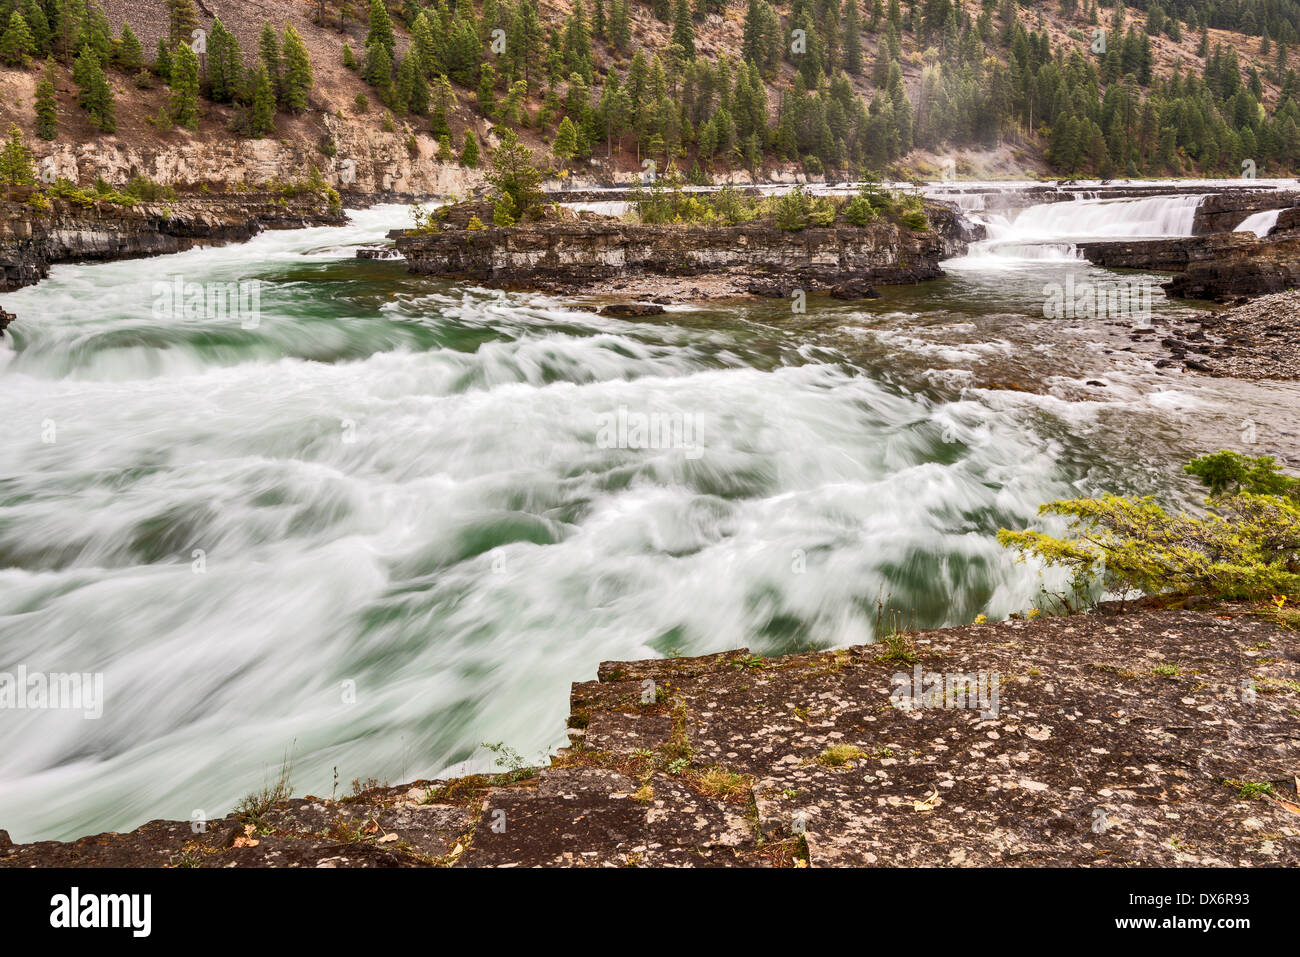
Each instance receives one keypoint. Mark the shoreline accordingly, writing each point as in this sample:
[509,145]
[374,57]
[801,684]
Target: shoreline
[1134,718]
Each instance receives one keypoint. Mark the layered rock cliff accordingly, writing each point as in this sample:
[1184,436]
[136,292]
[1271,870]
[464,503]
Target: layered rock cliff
[32,240]
[567,254]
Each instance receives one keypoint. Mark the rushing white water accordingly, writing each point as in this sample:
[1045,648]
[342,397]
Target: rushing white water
[1153,217]
[1261,224]
[403,486]
[1051,231]
[383,523]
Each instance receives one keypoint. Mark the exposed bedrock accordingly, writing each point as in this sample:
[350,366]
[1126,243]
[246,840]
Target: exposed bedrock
[32,240]
[547,255]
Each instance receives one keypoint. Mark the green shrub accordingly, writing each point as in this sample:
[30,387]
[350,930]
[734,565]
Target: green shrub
[860,212]
[915,221]
[503,212]
[1246,545]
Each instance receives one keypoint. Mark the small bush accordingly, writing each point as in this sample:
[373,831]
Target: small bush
[1246,546]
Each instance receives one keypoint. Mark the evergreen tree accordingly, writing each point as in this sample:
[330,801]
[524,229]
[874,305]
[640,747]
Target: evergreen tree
[381,29]
[42,36]
[182,21]
[620,34]
[469,154]
[96,96]
[162,63]
[262,116]
[268,50]
[184,103]
[852,38]
[47,105]
[565,146]
[512,173]
[16,160]
[684,29]
[17,44]
[297,71]
[412,90]
[378,70]
[130,54]
[225,63]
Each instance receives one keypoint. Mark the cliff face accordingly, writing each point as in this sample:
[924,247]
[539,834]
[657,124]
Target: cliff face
[1251,269]
[1225,211]
[31,241]
[366,161]
[1162,738]
[545,255]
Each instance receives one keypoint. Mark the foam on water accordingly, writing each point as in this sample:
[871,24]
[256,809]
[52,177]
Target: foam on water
[400,487]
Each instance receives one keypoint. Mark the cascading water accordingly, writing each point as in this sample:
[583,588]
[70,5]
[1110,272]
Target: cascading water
[1261,224]
[1050,231]
[385,521]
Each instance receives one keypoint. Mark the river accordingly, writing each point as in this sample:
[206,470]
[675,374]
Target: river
[376,520]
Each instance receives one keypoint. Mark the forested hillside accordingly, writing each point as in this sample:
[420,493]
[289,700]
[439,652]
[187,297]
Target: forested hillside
[823,87]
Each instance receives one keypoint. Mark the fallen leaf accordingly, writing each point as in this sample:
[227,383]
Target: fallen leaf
[1285,805]
[245,842]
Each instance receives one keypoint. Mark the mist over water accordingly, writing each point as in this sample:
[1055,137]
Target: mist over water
[400,486]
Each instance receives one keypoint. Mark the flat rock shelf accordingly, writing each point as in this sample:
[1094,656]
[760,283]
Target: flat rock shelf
[1144,738]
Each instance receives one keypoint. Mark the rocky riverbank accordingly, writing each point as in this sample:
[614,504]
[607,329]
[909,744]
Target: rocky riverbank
[32,240]
[1257,340]
[1150,738]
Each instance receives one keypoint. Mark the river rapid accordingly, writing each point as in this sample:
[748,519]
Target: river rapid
[371,521]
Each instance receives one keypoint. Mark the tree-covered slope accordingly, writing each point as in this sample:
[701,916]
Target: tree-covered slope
[831,87]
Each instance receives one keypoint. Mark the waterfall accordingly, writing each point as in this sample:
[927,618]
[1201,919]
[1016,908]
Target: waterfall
[1158,216]
[1051,230]
[1261,224]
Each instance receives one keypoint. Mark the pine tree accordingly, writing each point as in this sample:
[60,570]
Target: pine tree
[96,95]
[297,71]
[162,63]
[512,172]
[565,146]
[262,116]
[39,23]
[47,105]
[130,54]
[184,103]
[349,58]
[378,68]
[268,50]
[684,29]
[503,211]
[852,38]
[225,64]
[412,90]
[17,44]
[381,29]
[469,155]
[182,21]
[16,160]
